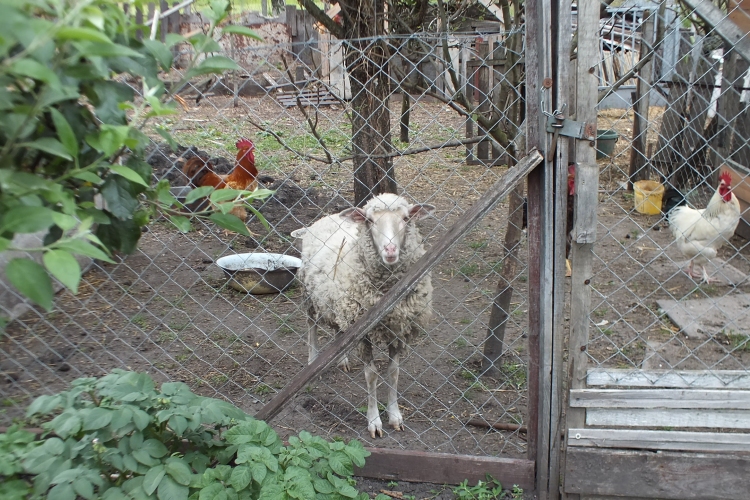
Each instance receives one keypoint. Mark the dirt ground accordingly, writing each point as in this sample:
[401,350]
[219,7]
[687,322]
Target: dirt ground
[636,265]
[167,309]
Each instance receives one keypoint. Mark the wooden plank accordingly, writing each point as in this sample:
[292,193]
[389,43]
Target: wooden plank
[535,137]
[583,233]
[639,166]
[666,475]
[741,181]
[557,345]
[719,379]
[346,340]
[483,148]
[471,95]
[660,398]
[444,468]
[723,26]
[494,61]
[586,201]
[691,418]
[659,440]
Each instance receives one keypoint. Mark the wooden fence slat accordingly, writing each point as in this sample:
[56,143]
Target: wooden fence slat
[483,148]
[659,440]
[444,468]
[660,398]
[666,475]
[728,30]
[696,379]
[676,417]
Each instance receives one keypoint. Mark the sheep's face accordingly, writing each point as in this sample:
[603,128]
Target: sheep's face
[387,227]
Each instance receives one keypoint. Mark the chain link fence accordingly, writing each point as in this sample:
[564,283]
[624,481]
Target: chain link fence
[678,120]
[169,310]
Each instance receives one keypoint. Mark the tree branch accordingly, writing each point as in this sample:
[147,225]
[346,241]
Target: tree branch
[333,28]
[313,125]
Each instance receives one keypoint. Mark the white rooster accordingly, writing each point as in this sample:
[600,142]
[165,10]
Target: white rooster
[700,233]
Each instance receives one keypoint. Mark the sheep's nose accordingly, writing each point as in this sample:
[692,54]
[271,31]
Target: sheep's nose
[391,249]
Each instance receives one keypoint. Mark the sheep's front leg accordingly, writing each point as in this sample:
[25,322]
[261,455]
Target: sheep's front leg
[395,419]
[374,425]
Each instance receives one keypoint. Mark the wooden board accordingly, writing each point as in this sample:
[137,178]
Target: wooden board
[649,417]
[667,475]
[719,379]
[741,189]
[444,468]
[659,440]
[660,398]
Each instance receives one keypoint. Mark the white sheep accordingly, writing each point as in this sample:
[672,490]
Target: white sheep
[349,260]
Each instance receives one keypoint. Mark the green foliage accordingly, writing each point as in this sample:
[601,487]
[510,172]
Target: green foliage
[120,437]
[78,85]
[483,490]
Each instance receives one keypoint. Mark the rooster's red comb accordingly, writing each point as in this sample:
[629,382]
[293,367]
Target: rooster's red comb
[726,177]
[243,144]
[572,169]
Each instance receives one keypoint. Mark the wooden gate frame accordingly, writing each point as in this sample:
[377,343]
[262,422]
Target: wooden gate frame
[621,457]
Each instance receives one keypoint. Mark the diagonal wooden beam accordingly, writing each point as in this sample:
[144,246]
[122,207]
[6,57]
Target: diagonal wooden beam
[725,27]
[344,342]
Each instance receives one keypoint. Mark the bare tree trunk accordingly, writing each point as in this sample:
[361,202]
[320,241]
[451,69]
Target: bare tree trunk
[405,112]
[367,64]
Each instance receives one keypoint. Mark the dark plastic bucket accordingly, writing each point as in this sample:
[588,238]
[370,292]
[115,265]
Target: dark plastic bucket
[605,143]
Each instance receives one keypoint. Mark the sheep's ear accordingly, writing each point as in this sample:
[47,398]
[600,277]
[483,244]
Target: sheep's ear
[354,214]
[417,212]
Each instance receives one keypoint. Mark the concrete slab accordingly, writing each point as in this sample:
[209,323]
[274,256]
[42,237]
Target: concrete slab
[719,271]
[703,318]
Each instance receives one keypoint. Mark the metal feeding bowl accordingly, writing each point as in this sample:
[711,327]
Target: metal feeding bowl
[259,273]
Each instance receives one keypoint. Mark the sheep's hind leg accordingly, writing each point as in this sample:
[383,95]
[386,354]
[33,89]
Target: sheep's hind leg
[374,424]
[312,346]
[395,419]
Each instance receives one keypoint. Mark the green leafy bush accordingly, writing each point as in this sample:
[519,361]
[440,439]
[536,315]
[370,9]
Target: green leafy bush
[119,437]
[79,82]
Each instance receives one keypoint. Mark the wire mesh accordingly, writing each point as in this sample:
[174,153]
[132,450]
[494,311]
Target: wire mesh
[678,121]
[169,310]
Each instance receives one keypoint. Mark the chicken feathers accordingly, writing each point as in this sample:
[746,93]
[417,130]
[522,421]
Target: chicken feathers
[700,233]
[201,172]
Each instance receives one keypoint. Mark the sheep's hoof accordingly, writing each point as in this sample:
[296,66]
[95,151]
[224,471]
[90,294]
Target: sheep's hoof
[344,364]
[376,431]
[398,427]
[375,427]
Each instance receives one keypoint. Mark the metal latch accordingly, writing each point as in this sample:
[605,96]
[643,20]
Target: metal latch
[559,125]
